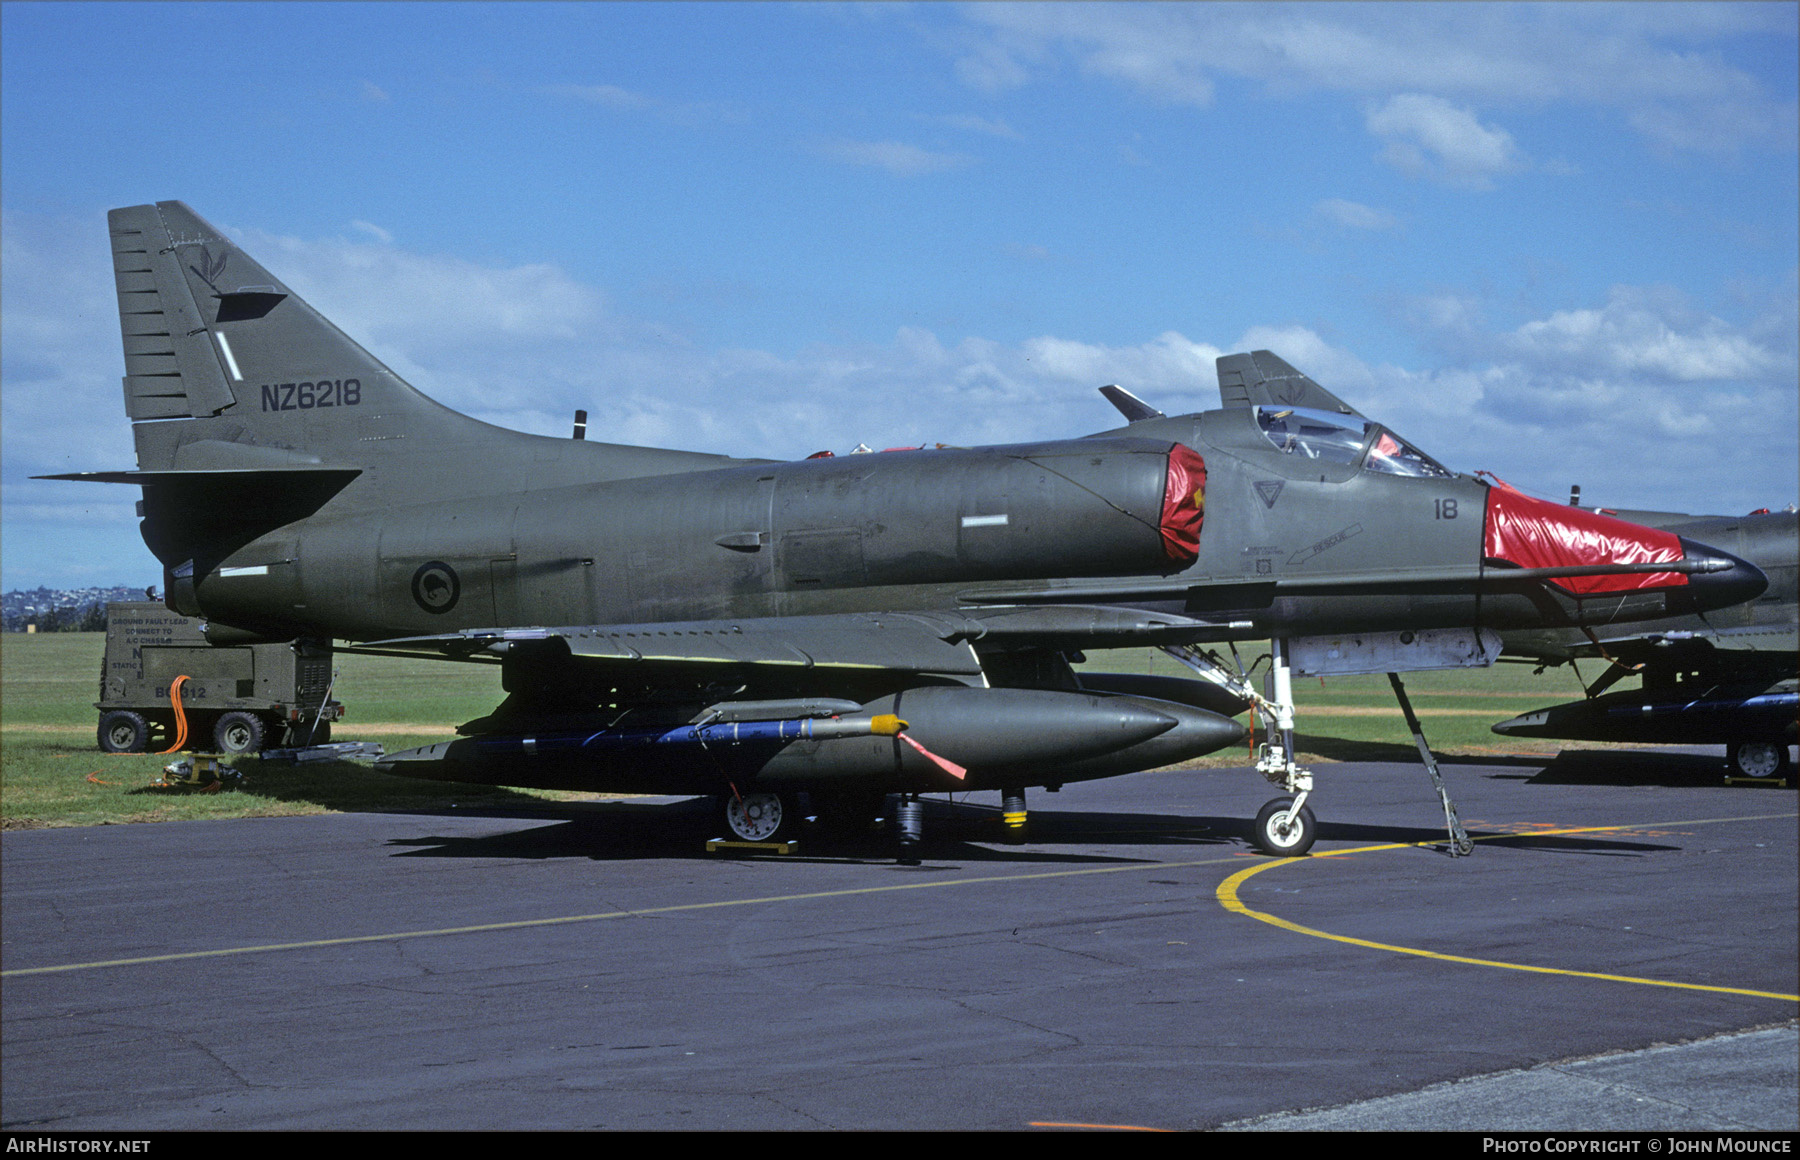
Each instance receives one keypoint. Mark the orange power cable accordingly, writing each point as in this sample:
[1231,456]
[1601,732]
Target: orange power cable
[180,717]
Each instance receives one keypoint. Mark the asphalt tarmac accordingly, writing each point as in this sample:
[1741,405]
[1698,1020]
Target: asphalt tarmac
[1135,965]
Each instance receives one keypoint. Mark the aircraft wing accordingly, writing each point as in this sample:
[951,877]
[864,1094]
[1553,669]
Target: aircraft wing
[1203,593]
[940,644]
[1654,646]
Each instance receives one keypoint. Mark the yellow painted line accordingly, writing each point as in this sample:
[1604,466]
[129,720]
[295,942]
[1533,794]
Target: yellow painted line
[1228,898]
[1096,1127]
[564,920]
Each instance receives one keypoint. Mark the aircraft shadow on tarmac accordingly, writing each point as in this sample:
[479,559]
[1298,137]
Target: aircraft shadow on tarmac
[1608,766]
[954,832]
[1631,767]
[353,788]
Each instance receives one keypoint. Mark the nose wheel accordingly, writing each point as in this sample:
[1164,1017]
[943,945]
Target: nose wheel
[1284,830]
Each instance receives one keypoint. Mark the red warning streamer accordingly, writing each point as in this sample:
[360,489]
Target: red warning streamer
[943,763]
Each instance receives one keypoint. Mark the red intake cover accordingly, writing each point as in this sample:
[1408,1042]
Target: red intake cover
[1184,505]
[1535,533]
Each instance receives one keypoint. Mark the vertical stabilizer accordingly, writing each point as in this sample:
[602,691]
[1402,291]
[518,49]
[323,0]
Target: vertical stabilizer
[212,336]
[228,369]
[1260,378]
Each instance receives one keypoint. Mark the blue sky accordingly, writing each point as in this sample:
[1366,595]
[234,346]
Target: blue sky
[1553,242]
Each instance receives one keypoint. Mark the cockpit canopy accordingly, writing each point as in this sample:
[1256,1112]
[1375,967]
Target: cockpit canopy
[1346,439]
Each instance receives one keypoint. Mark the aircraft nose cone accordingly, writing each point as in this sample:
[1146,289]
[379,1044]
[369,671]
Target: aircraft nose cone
[1727,580]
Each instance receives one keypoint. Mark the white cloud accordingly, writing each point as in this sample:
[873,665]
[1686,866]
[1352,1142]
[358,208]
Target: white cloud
[1657,64]
[1650,333]
[1354,215]
[610,96]
[1429,137]
[990,126]
[394,296]
[894,156]
[372,230]
[685,114]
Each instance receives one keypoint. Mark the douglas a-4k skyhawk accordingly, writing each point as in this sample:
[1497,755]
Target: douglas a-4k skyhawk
[846,627]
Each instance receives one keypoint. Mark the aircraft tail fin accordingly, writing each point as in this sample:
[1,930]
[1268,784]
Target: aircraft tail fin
[228,369]
[212,337]
[1260,378]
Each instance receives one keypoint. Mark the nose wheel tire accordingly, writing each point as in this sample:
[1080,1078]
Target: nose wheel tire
[1759,759]
[1283,833]
[758,817]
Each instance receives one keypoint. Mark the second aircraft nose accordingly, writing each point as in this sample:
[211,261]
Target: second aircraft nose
[1722,581]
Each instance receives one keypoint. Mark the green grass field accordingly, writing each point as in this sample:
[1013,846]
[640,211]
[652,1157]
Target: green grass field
[1357,718]
[53,773]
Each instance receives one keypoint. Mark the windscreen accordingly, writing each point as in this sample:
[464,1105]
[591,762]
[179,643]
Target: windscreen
[1333,438]
[1393,455]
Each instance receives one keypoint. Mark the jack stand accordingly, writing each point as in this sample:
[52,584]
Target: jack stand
[912,827]
[1013,815]
[1460,845]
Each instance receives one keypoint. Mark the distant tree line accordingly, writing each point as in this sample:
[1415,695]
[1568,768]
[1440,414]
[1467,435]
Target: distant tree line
[44,609]
[89,619]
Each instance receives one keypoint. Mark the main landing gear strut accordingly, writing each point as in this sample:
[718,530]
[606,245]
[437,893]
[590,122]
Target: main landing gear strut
[1285,826]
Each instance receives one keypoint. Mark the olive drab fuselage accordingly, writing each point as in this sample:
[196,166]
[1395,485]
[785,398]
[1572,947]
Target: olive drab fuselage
[893,531]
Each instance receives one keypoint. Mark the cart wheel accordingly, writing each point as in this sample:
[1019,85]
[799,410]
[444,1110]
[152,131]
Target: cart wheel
[122,731]
[759,817]
[239,734]
[1759,759]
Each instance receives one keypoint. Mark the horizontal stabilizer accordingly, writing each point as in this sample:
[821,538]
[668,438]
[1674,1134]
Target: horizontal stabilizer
[202,516]
[220,477]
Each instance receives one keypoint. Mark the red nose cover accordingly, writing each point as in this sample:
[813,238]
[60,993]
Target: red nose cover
[1184,505]
[1535,533]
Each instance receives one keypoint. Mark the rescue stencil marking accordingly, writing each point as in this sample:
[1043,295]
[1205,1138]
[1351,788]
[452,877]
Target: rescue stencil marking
[1324,545]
